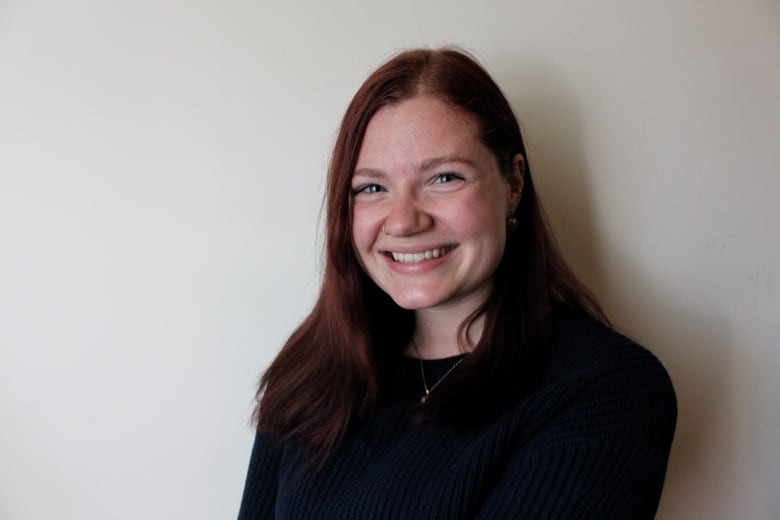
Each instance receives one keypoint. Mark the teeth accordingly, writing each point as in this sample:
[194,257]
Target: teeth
[410,258]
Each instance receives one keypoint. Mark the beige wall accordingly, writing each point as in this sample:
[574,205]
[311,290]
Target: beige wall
[161,169]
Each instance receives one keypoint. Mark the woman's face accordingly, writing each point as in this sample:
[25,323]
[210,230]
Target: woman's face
[430,206]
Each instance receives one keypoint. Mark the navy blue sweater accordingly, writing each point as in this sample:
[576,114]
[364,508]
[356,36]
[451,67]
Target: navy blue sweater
[591,442]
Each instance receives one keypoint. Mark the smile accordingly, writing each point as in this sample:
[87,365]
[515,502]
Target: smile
[412,258]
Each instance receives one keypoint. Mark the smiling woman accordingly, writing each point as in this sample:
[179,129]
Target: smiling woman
[453,366]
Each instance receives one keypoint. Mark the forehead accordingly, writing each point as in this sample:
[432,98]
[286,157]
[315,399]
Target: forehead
[418,129]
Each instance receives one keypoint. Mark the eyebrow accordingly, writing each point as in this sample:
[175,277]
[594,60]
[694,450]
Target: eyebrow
[368,172]
[427,164]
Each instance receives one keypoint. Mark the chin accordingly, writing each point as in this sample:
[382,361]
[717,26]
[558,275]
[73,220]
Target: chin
[413,302]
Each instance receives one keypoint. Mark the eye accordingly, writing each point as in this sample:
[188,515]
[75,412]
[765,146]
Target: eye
[447,177]
[368,189]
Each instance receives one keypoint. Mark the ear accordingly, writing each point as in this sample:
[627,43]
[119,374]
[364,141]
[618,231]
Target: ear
[515,181]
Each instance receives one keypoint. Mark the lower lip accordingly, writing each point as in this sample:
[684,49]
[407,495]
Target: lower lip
[418,267]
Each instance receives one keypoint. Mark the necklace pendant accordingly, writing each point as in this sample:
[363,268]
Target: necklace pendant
[425,397]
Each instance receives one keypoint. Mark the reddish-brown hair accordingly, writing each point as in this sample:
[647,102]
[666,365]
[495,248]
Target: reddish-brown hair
[327,376]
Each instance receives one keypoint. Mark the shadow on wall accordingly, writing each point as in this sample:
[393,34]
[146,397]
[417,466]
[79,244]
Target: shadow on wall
[693,348]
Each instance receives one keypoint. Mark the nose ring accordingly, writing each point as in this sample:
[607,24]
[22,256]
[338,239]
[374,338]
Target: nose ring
[385,230]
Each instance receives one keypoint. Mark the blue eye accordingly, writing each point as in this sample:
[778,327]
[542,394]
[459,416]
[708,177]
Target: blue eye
[447,177]
[368,188]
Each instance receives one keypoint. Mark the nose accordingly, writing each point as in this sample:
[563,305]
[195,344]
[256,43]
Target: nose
[407,216]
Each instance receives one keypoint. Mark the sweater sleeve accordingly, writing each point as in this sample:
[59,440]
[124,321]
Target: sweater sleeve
[259,497]
[602,450]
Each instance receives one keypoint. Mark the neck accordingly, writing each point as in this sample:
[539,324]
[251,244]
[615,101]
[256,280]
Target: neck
[436,334]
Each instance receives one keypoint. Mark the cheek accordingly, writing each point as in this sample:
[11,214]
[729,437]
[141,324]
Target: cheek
[363,231]
[482,217]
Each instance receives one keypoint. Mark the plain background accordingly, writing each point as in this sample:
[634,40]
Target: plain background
[161,177]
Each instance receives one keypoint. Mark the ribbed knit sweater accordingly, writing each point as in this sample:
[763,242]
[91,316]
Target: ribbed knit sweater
[591,442]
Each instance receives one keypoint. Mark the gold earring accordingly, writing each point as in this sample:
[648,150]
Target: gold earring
[511,222]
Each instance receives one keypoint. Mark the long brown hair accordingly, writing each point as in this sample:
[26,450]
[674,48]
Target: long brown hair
[327,376]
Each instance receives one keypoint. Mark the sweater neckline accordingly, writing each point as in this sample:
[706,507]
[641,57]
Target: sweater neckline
[434,361]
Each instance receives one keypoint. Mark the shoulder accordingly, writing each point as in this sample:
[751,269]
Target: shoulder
[585,346]
[607,381]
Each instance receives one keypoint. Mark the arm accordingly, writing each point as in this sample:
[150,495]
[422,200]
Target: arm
[259,498]
[592,480]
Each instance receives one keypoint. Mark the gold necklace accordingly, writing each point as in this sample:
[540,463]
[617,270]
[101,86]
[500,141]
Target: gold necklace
[422,373]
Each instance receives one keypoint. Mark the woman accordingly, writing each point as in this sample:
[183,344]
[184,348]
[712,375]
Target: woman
[453,366]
